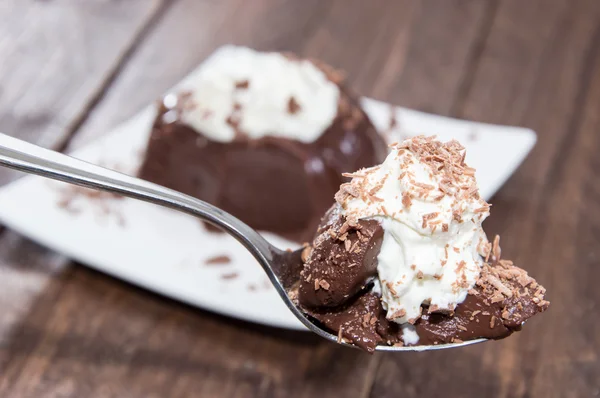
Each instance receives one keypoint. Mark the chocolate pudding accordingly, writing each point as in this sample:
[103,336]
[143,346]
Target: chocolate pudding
[402,259]
[263,136]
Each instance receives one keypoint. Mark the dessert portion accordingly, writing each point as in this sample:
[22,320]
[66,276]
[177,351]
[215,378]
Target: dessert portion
[402,258]
[264,136]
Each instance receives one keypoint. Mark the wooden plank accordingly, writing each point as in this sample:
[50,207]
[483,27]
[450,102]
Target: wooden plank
[136,344]
[567,247]
[403,52]
[25,270]
[56,58]
[540,68]
[31,278]
[387,56]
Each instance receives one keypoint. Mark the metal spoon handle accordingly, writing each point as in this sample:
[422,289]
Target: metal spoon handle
[30,158]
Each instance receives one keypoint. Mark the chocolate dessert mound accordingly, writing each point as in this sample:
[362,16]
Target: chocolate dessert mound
[272,183]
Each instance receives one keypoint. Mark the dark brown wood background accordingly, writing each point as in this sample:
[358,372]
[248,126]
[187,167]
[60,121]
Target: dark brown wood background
[71,69]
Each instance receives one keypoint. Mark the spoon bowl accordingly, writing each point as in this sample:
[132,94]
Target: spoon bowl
[282,267]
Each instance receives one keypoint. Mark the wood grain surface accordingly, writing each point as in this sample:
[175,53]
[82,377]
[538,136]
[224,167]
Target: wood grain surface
[70,70]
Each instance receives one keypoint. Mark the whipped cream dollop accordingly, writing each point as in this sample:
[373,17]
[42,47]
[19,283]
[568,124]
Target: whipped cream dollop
[427,201]
[241,92]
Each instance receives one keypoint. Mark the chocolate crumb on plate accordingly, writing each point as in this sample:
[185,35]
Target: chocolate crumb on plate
[242,84]
[293,106]
[230,275]
[218,260]
[104,204]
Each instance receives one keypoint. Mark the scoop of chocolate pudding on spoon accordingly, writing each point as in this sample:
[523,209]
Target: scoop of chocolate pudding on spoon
[402,259]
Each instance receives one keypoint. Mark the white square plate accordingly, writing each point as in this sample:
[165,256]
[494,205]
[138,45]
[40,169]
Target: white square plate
[166,252]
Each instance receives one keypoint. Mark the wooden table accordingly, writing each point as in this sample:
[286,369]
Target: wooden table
[71,69]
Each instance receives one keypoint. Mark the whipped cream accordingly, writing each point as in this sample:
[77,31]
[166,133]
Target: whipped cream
[239,91]
[428,204]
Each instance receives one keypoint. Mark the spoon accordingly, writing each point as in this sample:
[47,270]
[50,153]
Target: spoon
[282,267]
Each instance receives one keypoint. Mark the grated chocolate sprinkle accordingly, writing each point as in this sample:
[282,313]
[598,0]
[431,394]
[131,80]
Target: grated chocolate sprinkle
[324,284]
[218,260]
[293,106]
[242,85]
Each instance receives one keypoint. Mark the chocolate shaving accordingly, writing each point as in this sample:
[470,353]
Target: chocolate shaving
[492,280]
[377,187]
[353,222]
[332,233]
[375,198]
[218,260]
[350,189]
[231,275]
[406,200]
[293,106]
[390,286]
[456,216]
[242,84]
[496,252]
[427,217]
[424,186]
[398,314]
[305,253]
[353,175]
